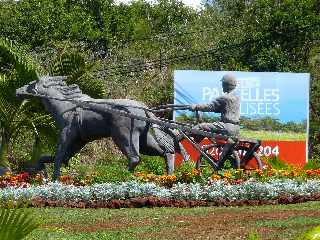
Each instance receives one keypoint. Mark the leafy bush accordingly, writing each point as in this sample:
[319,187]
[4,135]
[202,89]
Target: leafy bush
[253,236]
[186,173]
[276,163]
[312,164]
[112,173]
[155,165]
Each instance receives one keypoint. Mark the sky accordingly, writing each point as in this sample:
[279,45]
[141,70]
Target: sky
[192,3]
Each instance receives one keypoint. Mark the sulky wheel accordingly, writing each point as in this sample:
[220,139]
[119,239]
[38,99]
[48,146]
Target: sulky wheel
[244,159]
[258,160]
[235,160]
[233,157]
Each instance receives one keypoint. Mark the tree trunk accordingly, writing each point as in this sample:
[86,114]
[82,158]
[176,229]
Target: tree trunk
[4,163]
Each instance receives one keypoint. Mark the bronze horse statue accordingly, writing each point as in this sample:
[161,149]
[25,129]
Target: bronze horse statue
[83,123]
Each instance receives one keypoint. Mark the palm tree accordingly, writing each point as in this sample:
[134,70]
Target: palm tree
[16,70]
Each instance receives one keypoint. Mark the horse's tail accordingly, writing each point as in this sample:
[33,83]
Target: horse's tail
[162,135]
[167,138]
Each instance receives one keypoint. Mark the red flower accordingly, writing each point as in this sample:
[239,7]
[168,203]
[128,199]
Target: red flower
[259,172]
[24,175]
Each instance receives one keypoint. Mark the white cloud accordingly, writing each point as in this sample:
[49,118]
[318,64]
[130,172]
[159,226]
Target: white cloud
[192,3]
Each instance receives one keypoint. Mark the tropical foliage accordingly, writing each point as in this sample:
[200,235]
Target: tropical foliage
[132,49]
[17,116]
[16,70]
[73,65]
[16,223]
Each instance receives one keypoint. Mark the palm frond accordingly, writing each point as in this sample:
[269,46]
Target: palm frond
[7,87]
[16,70]
[79,72]
[90,86]
[24,67]
[68,64]
[16,223]
[6,110]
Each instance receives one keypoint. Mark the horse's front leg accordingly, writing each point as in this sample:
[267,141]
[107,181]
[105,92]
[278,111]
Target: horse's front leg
[57,161]
[63,145]
[40,166]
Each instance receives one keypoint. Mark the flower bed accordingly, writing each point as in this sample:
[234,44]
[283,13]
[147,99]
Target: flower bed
[188,188]
[22,180]
[134,193]
[186,176]
[233,176]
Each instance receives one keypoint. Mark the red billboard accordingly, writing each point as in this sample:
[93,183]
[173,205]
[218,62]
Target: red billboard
[291,152]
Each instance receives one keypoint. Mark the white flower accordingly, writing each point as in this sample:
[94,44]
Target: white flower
[249,190]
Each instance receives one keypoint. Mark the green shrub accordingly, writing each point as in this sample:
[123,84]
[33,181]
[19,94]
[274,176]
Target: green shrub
[312,164]
[186,173]
[206,172]
[111,173]
[152,165]
[276,163]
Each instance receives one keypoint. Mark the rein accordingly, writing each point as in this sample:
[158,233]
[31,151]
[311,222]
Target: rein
[187,128]
[158,109]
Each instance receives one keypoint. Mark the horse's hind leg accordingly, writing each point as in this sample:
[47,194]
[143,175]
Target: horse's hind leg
[133,152]
[170,163]
[127,141]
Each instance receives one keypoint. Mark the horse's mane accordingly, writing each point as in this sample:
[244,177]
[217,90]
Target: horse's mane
[58,83]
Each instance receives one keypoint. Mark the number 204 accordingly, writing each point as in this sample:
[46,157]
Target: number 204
[268,150]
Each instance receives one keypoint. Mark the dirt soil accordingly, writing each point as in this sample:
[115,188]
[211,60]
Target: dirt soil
[217,224]
[222,224]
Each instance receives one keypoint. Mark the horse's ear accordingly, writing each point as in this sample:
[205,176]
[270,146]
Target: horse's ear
[33,82]
[61,78]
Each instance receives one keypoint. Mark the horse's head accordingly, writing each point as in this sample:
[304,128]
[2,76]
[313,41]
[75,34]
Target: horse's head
[27,90]
[39,88]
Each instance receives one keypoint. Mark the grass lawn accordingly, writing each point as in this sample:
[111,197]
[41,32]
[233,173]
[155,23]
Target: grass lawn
[269,222]
[275,136]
